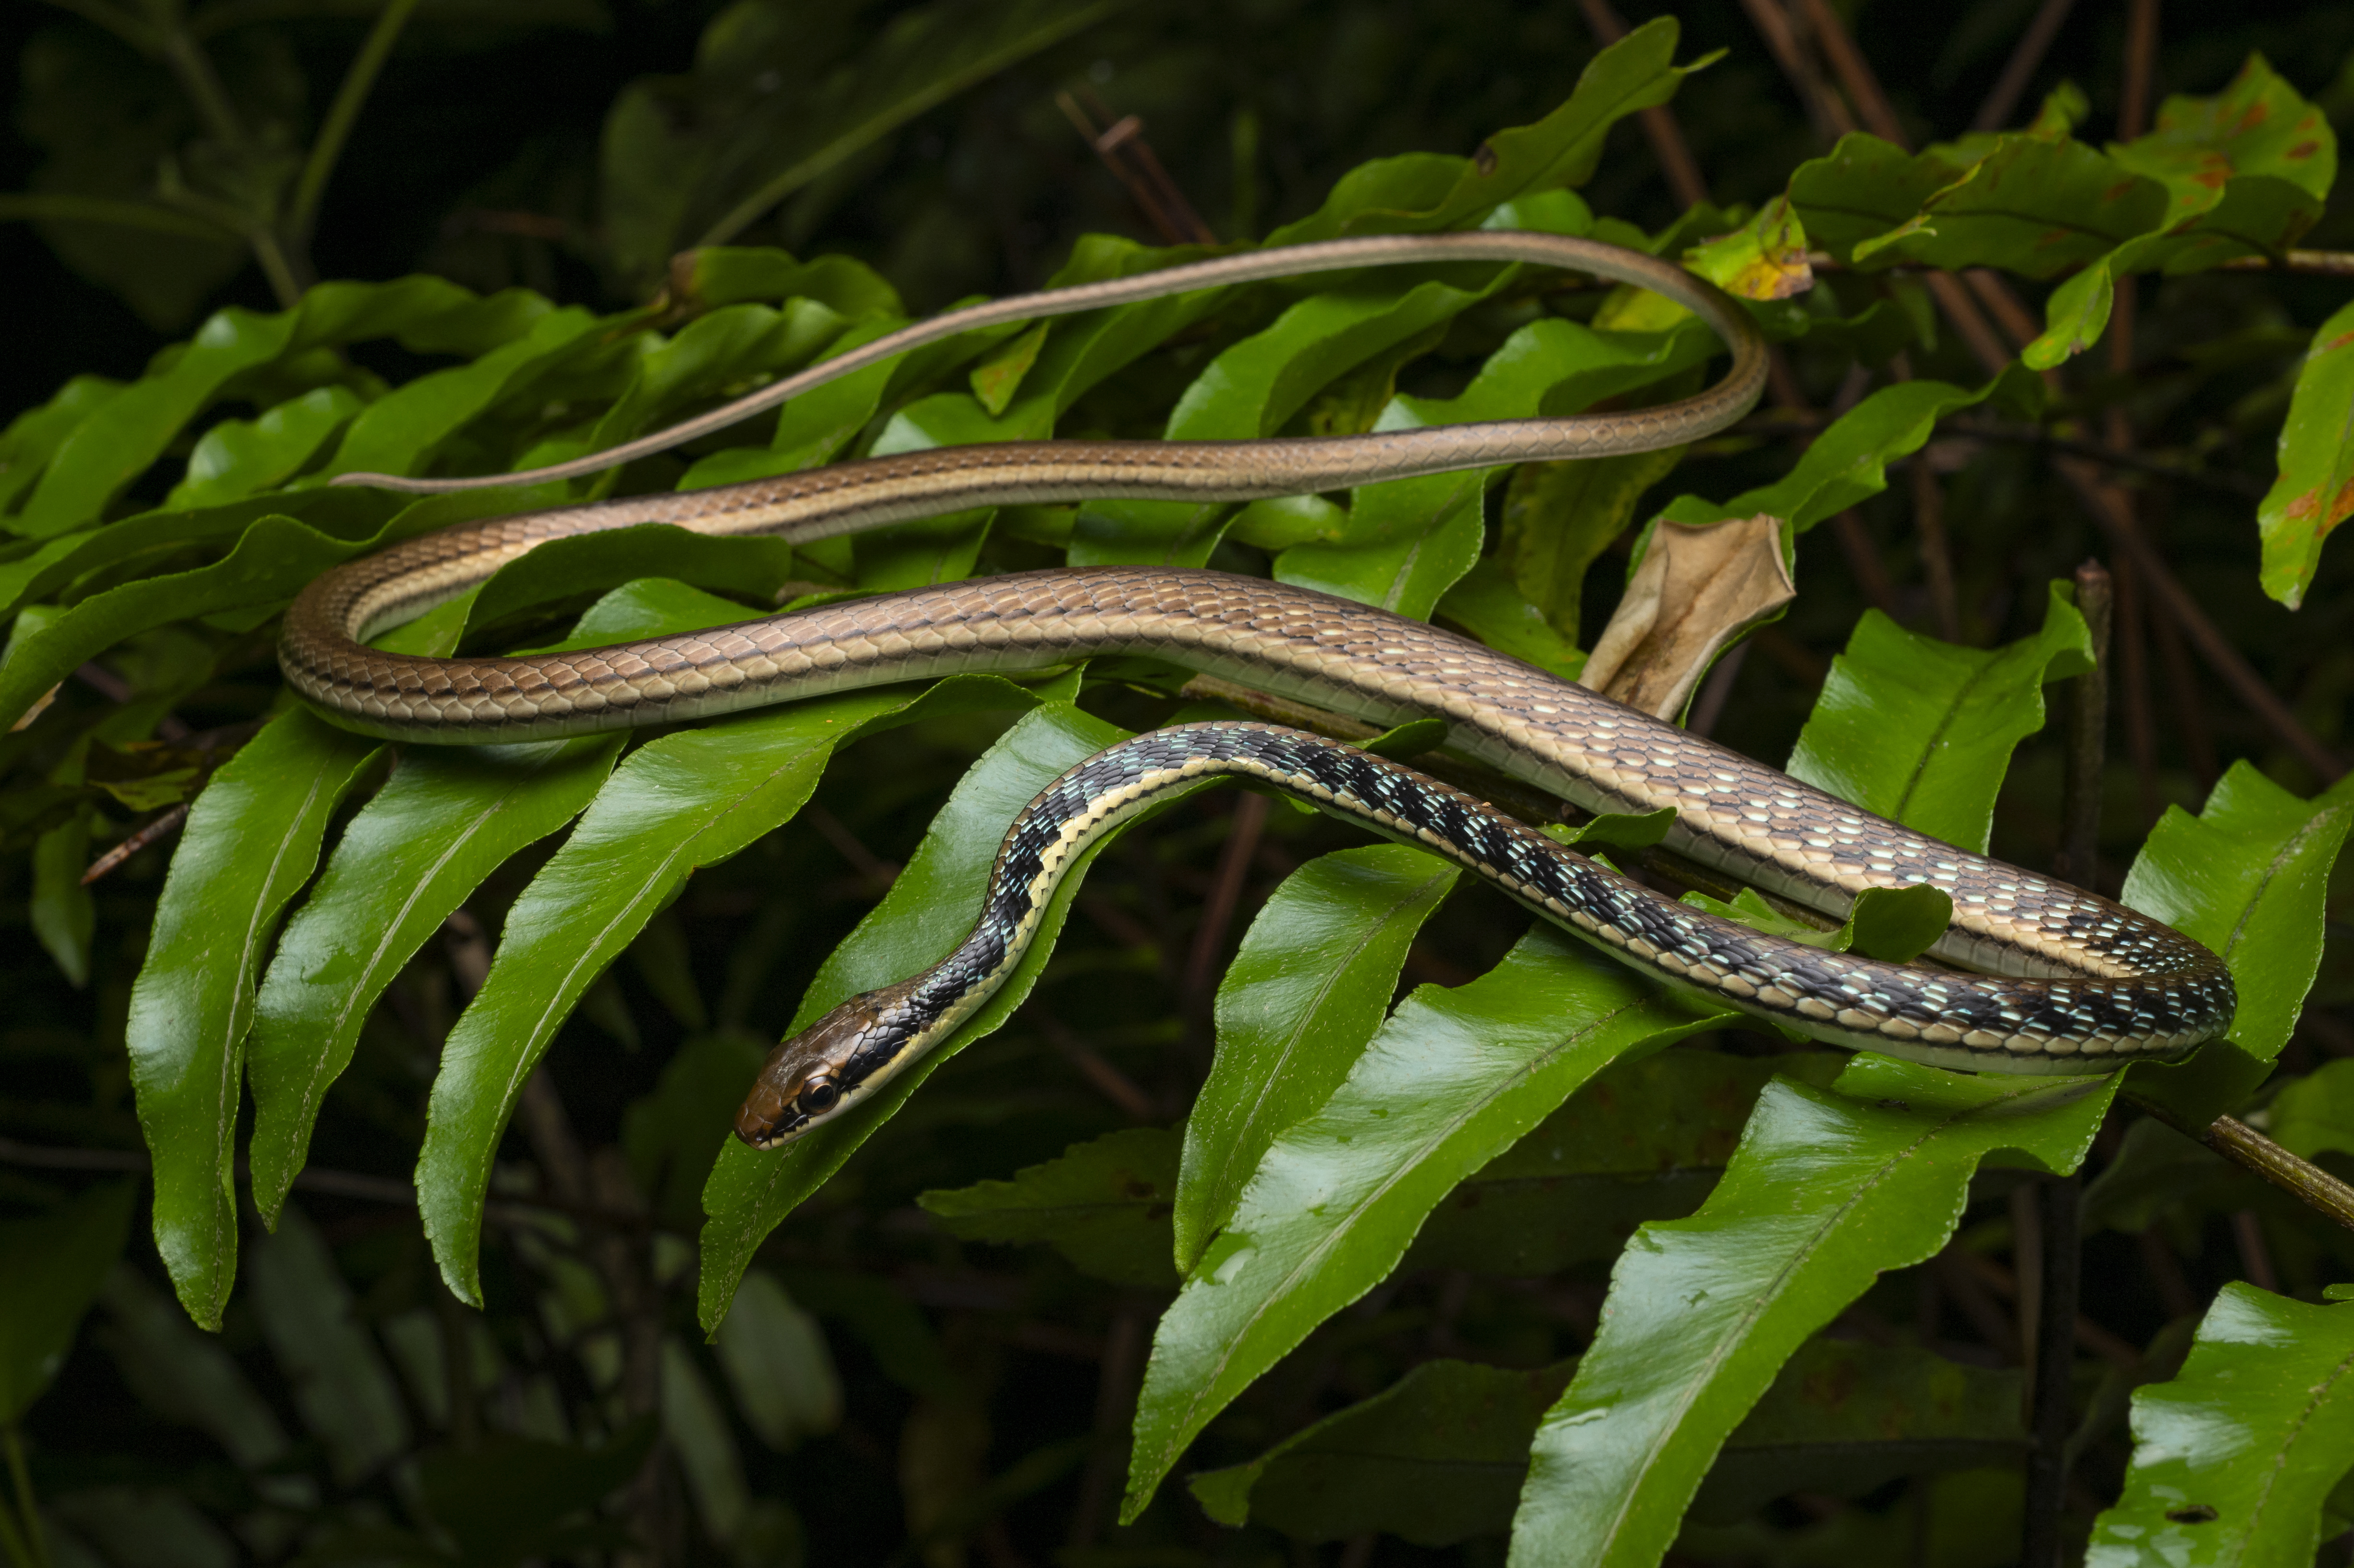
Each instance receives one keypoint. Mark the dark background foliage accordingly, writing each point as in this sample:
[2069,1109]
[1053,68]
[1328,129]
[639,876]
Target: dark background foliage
[478,158]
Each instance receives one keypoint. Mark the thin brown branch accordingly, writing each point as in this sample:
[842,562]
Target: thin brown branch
[1862,88]
[2317,263]
[2223,659]
[1225,893]
[1125,152]
[2011,86]
[1937,551]
[1831,118]
[2087,737]
[160,828]
[2133,673]
[1677,164]
[2242,1144]
[2140,69]
[1106,1079]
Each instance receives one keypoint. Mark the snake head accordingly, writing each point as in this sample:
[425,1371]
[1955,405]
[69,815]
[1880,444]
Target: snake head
[818,1074]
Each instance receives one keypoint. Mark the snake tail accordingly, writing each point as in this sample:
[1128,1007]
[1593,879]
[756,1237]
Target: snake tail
[2072,1024]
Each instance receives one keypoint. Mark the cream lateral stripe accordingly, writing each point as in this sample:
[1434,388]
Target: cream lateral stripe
[2180,996]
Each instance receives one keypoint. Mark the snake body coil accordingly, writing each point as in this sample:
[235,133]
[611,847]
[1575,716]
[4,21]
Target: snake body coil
[2083,981]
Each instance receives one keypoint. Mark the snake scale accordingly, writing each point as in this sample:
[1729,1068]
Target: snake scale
[2066,981]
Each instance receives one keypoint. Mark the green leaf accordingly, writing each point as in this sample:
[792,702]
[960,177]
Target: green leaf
[1486,603]
[776,1364]
[2033,205]
[503,1501]
[2234,1457]
[251,841]
[1849,462]
[2257,125]
[238,457]
[1844,1418]
[727,275]
[1559,517]
[401,432]
[2314,491]
[1646,1139]
[63,916]
[1828,1189]
[1104,1205]
[713,353]
[564,569]
[1296,1010]
[31,438]
[449,817]
[2315,1114]
[56,1264]
[118,440]
[688,799]
[339,1381]
[715,152]
[1896,924]
[2247,877]
[1408,541]
[1921,731]
[672,1135]
[1436,1458]
[1424,191]
[1440,1456]
[927,913]
[185,1375]
[273,559]
[1453,1079]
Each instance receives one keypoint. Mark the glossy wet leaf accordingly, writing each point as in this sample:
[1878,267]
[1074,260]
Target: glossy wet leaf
[238,457]
[687,800]
[1829,1189]
[1451,1080]
[1297,1008]
[1104,1204]
[57,1262]
[2234,1457]
[928,912]
[252,840]
[2314,491]
[2247,877]
[1920,730]
[447,818]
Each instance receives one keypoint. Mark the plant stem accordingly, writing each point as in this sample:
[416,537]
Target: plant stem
[336,129]
[33,206]
[2087,738]
[27,1543]
[2057,1201]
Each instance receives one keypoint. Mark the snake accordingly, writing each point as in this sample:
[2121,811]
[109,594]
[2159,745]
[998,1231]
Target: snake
[2030,975]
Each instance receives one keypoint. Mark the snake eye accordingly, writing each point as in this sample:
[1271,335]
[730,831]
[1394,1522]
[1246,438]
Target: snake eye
[818,1096]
